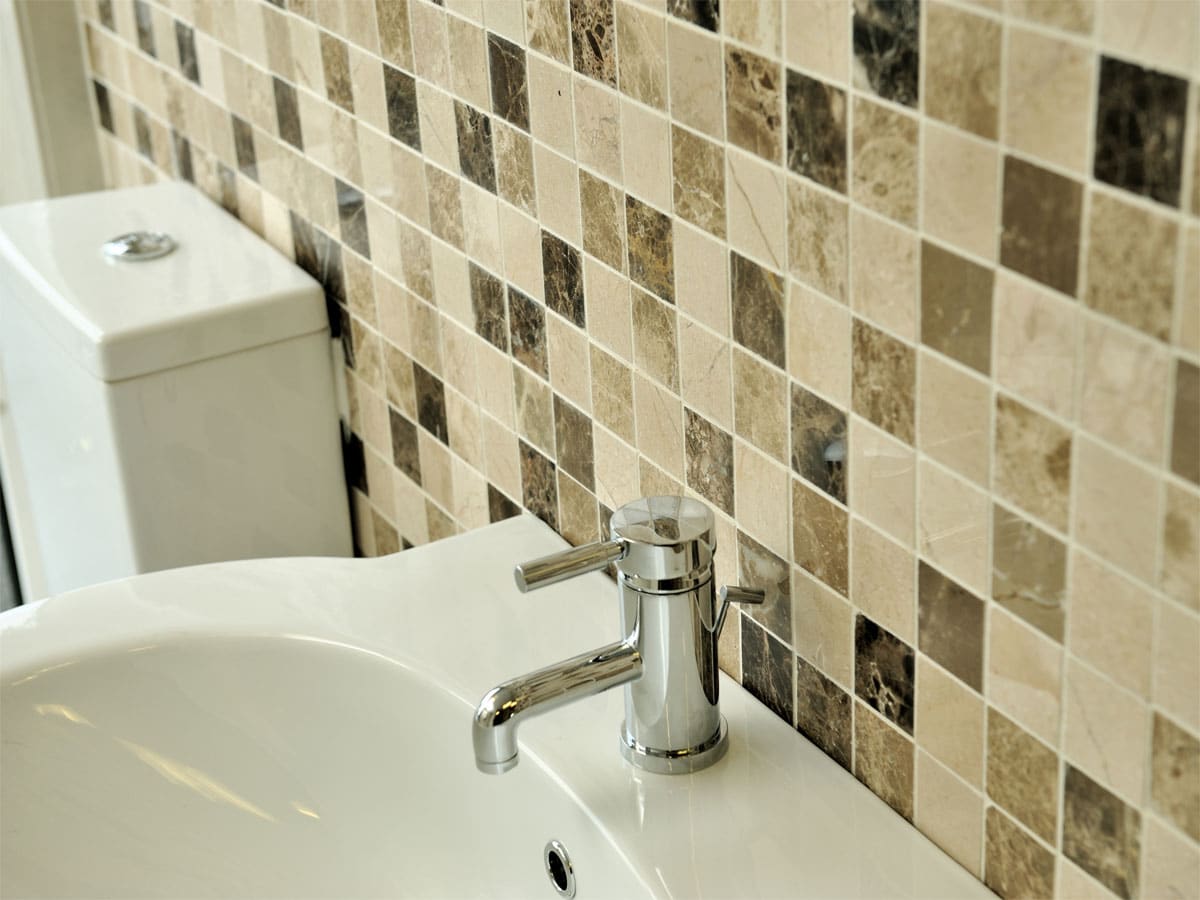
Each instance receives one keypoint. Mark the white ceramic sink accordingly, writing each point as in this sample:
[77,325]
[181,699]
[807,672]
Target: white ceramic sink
[293,728]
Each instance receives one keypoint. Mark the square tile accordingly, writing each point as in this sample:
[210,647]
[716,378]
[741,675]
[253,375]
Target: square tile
[1035,344]
[755,203]
[883,274]
[823,627]
[705,13]
[1040,221]
[886,174]
[696,80]
[818,445]
[950,625]
[768,669]
[1033,462]
[642,62]
[655,339]
[953,521]
[824,712]
[820,538]
[709,452]
[1131,264]
[760,567]
[961,195]
[598,141]
[1022,775]
[698,169]
[1015,865]
[659,418]
[884,386]
[1101,834]
[612,394]
[592,40]
[1175,776]
[956,307]
[883,760]
[760,405]
[816,40]
[573,443]
[962,69]
[646,154]
[1140,115]
[1116,751]
[816,130]
[1180,574]
[539,485]
[1029,572]
[701,276]
[562,271]
[817,238]
[758,309]
[763,499]
[1047,85]
[1116,508]
[818,343]
[603,208]
[509,82]
[651,248]
[883,672]
[955,414]
[882,581]
[548,29]
[887,46]
[754,103]
[883,481]
[949,813]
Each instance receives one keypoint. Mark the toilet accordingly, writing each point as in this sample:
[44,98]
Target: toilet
[165,411]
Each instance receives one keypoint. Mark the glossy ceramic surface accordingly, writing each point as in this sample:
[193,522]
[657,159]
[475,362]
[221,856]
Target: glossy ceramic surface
[301,728]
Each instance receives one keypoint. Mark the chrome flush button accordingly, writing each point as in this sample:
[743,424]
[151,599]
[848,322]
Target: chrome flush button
[139,246]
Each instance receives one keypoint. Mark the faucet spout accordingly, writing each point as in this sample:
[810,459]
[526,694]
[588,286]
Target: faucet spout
[504,707]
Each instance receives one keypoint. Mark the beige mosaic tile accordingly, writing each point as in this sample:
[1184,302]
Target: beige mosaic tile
[962,69]
[953,526]
[1035,344]
[701,277]
[754,198]
[646,154]
[1024,678]
[883,274]
[705,373]
[597,128]
[954,417]
[1033,462]
[813,36]
[642,55]
[950,813]
[1180,576]
[1111,623]
[883,480]
[882,580]
[822,627]
[695,73]
[1048,86]
[960,196]
[885,171]
[760,404]
[1105,731]
[817,238]
[763,498]
[1177,664]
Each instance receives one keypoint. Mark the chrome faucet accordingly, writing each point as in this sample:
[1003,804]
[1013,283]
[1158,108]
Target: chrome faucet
[663,549]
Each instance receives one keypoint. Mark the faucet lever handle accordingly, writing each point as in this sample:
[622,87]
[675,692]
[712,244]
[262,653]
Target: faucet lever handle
[732,593]
[567,564]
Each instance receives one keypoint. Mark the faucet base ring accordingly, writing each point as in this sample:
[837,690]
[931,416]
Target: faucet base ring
[676,762]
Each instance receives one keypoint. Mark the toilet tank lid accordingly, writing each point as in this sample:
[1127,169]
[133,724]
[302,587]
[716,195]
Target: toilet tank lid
[223,289]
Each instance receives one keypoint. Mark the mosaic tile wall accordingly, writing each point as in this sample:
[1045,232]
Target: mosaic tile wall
[909,293]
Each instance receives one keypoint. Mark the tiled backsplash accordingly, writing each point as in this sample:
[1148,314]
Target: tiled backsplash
[909,293]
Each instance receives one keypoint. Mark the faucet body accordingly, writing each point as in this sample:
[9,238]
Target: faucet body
[663,548]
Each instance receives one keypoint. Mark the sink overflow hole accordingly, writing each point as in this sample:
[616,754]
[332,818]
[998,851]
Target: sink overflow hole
[558,867]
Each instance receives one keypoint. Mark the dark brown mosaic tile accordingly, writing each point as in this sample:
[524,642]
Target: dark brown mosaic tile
[400,89]
[819,451]
[577,511]
[352,215]
[514,169]
[145,27]
[562,275]
[103,107]
[1101,834]
[698,168]
[1175,775]
[1022,775]
[709,452]
[1140,117]
[767,669]
[335,60]
[145,145]
[395,34]
[405,453]
[883,760]
[1015,865]
[950,622]
[487,301]
[510,93]
[592,32]
[1029,572]
[243,147]
[820,536]
[499,506]
[539,487]
[651,248]
[321,257]
[431,403]
[1041,224]
[655,345]
[758,309]
[705,13]
[759,567]
[603,209]
[1185,426]
[527,331]
[182,151]
[753,113]
[185,43]
[816,130]
[387,539]
[887,40]
[956,307]
[354,464]
[883,672]
[823,712]
[573,442]
[475,158]
[287,113]
[884,380]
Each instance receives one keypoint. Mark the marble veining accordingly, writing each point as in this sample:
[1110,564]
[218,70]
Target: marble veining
[887,48]
[816,130]
[883,672]
[709,452]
